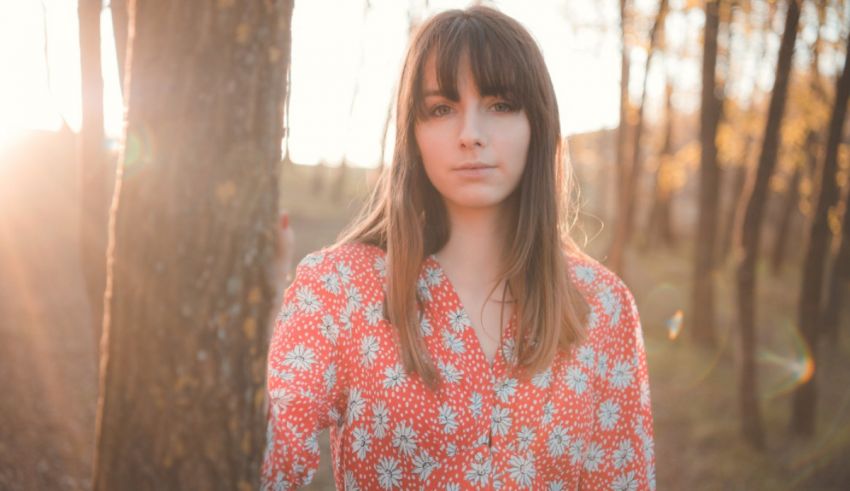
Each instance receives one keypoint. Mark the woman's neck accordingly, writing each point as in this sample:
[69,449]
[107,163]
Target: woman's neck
[474,250]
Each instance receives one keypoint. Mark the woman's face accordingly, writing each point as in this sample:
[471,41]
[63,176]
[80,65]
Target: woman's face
[473,149]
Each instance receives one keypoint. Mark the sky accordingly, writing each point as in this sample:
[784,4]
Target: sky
[343,83]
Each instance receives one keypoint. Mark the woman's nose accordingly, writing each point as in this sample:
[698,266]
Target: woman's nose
[471,132]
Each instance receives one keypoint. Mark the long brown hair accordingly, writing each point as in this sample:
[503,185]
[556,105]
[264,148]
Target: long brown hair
[406,216]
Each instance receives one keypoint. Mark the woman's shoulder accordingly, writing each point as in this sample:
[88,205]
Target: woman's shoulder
[612,302]
[591,275]
[347,261]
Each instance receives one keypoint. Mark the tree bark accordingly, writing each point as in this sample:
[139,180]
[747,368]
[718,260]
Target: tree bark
[839,278]
[803,407]
[660,224]
[191,241]
[617,248]
[702,295]
[751,423]
[119,30]
[92,169]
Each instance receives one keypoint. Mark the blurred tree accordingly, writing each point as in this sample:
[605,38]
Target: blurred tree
[119,30]
[702,295]
[814,266]
[616,250]
[659,227]
[191,238]
[92,165]
[840,275]
[625,222]
[751,423]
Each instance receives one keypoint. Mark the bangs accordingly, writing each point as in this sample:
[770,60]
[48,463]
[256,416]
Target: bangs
[498,61]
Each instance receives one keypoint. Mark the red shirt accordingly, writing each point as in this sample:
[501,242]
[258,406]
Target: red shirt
[333,361]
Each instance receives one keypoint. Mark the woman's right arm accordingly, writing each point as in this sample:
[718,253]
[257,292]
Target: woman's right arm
[303,373]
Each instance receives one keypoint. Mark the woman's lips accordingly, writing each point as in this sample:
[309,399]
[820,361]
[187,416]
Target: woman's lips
[474,170]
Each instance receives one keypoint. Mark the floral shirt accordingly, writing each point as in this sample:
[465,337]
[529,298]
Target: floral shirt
[584,423]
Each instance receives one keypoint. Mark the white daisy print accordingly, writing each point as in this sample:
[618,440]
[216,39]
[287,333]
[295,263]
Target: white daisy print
[423,290]
[330,282]
[423,465]
[286,312]
[521,469]
[558,441]
[350,482]
[344,272]
[593,457]
[525,437]
[576,451]
[389,473]
[380,419]
[478,473]
[621,375]
[368,350]
[452,342]
[353,298]
[330,377]
[586,356]
[501,420]
[476,402]
[394,376]
[425,326]
[448,418]
[548,412]
[608,414]
[623,454]
[329,329]
[602,364]
[374,313]
[300,358]
[356,404]
[505,389]
[308,302]
[381,266]
[312,260]
[404,438]
[625,482]
[451,374]
[361,443]
[543,379]
[585,274]
[459,320]
[432,276]
[576,379]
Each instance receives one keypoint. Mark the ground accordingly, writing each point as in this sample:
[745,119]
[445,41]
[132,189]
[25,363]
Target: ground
[49,379]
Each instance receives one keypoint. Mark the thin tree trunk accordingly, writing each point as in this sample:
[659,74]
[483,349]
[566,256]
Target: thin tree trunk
[92,165]
[659,224]
[634,175]
[192,235]
[751,423]
[803,408]
[616,250]
[840,276]
[119,30]
[702,299]
[786,215]
[738,178]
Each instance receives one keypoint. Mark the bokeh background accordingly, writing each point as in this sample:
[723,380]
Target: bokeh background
[709,139]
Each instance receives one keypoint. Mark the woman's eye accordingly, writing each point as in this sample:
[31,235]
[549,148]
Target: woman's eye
[440,110]
[503,107]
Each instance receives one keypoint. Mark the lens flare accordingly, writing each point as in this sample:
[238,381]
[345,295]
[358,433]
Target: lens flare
[674,325]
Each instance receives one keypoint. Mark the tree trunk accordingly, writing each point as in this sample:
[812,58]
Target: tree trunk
[634,175]
[840,276]
[616,250]
[790,203]
[92,173]
[809,315]
[702,300]
[738,178]
[751,424]
[659,227]
[192,237]
[119,30]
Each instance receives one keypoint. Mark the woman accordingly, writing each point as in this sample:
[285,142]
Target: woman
[456,337]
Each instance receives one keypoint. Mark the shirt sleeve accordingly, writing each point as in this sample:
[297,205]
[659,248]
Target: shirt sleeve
[620,455]
[304,393]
